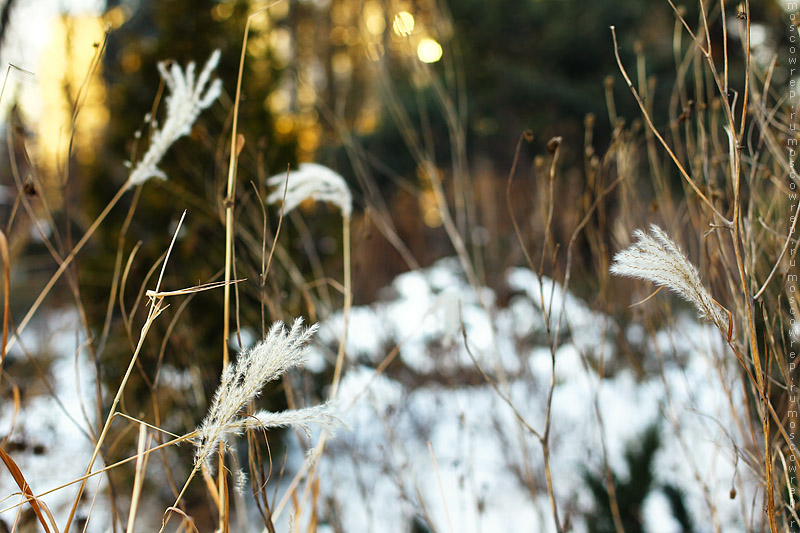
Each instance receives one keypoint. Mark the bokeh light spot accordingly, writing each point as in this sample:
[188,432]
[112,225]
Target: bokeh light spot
[403,24]
[429,51]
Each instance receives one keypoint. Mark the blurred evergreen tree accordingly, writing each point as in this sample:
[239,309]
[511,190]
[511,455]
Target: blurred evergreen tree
[196,167]
[541,64]
[631,494]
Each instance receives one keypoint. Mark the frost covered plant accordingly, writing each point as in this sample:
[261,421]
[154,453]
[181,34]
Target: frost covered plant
[313,181]
[188,97]
[658,259]
[243,380]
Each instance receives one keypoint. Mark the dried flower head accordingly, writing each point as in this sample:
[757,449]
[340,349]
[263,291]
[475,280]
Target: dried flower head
[187,98]
[311,181]
[243,380]
[658,259]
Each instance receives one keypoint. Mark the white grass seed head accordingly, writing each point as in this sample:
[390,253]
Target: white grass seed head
[313,181]
[243,380]
[187,98]
[656,258]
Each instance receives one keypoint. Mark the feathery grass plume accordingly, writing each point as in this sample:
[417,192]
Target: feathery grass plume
[188,97]
[318,415]
[243,380]
[658,259]
[311,181]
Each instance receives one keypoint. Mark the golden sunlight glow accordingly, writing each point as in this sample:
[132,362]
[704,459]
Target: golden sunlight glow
[308,140]
[429,51]
[260,18]
[67,62]
[284,126]
[339,36]
[341,64]
[431,215]
[117,16]
[375,51]
[222,11]
[277,11]
[278,102]
[258,45]
[280,40]
[374,19]
[130,60]
[367,121]
[403,24]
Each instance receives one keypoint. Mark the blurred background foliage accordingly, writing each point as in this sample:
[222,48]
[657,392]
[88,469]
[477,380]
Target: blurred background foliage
[314,70]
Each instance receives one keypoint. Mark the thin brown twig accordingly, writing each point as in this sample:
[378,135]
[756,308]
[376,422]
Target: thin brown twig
[655,131]
[441,487]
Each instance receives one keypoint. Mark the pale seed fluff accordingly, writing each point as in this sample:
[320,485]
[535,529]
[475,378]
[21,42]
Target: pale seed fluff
[188,96]
[239,481]
[313,181]
[658,259]
[243,380]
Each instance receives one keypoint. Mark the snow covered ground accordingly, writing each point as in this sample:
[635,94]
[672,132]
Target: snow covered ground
[429,441]
[488,473]
[48,435]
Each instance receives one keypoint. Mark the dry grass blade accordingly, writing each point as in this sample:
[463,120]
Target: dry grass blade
[211,487]
[230,196]
[191,290]
[319,183]
[524,136]
[17,406]
[494,386]
[16,473]
[186,518]
[661,139]
[8,71]
[155,310]
[138,480]
[784,249]
[441,487]
[6,295]
[173,442]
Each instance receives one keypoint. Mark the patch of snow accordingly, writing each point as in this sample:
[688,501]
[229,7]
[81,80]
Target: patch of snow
[53,428]
[380,473]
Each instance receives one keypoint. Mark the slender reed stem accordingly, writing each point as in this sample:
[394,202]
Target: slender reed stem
[155,310]
[65,263]
[348,301]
